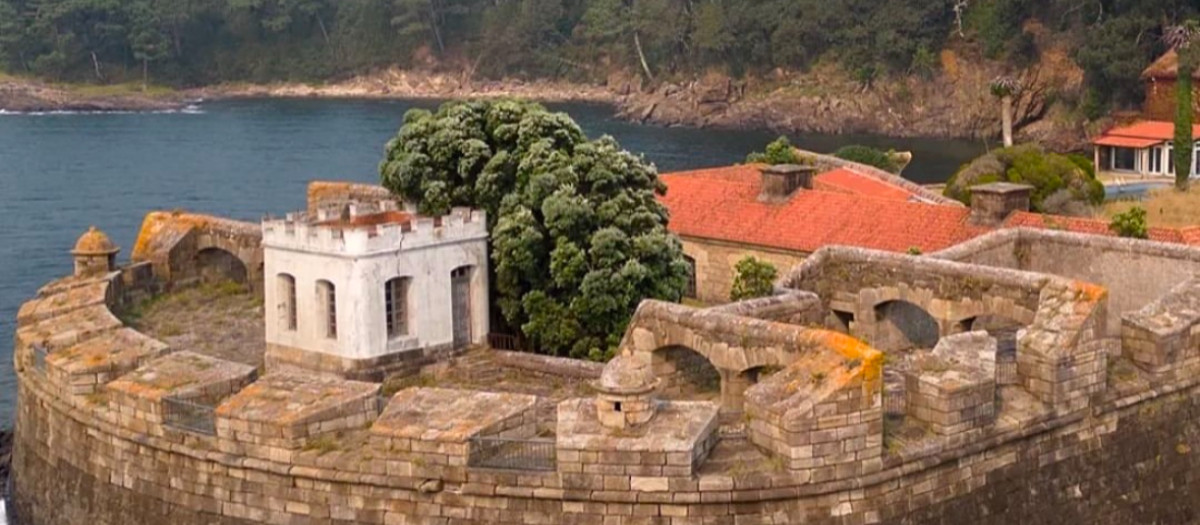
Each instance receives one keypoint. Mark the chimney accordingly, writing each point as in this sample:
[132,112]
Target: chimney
[994,202]
[781,180]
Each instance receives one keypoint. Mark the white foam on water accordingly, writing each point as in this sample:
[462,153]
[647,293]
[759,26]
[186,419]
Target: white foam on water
[190,109]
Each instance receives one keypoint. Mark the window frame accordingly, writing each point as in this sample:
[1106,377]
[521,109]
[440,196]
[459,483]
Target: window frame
[397,312]
[286,286]
[327,298]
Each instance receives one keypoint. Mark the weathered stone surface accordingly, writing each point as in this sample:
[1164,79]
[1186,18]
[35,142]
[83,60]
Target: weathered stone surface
[286,409]
[445,415]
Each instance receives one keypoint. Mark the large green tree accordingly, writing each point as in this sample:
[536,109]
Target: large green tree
[578,238]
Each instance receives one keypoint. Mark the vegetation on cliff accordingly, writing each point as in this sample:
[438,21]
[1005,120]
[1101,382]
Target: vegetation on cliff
[873,41]
[578,239]
[1063,184]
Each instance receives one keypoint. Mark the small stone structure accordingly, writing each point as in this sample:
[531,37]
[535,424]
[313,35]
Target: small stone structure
[95,254]
[185,248]
[364,291]
[953,389]
[625,391]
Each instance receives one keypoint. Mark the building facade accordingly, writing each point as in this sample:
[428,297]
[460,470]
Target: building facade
[360,288]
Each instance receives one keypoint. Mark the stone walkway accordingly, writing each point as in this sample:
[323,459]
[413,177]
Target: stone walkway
[218,320]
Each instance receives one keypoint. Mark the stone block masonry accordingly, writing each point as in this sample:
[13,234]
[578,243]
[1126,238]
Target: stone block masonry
[1092,446]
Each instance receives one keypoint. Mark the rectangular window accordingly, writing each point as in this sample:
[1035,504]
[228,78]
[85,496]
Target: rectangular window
[1156,154]
[327,297]
[1125,159]
[396,306]
[691,282]
[287,300]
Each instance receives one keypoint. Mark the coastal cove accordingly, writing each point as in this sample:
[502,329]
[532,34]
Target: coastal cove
[60,173]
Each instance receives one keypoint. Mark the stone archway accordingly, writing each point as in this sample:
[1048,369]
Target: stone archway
[901,325]
[214,265]
[685,374]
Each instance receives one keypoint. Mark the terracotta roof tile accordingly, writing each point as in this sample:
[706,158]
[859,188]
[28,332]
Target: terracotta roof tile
[845,181]
[1157,130]
[721,204]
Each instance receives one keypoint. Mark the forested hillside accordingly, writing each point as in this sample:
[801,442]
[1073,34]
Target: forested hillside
[193,42]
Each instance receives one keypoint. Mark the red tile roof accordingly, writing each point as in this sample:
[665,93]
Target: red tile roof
[1156,130]
[843,180]
[721,204]
[1125,142]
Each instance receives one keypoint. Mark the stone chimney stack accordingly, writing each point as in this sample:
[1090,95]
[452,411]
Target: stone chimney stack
[992,203]
[781,180]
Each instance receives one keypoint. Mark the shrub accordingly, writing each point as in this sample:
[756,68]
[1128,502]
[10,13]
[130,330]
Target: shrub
[1131,223]
[754,278]
[869,156]
[1047,172]
[778,152]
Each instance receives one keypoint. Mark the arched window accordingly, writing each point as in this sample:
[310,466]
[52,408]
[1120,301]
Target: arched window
[396,306]
[287,300]
[327,298]
[691,282]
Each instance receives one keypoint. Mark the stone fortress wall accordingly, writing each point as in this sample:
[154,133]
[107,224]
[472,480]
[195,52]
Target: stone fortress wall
[1094,425]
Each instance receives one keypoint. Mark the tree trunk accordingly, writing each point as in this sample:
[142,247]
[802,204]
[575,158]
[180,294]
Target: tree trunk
[1006,119]
[637,43]
[96,66]
[437,32]
[324,32]
[145,75]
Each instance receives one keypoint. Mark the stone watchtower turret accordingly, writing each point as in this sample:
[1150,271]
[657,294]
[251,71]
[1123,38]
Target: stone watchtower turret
[95,253]
[625,393]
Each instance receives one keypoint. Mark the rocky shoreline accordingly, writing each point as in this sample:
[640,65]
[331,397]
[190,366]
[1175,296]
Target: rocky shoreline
[819,102]
[27,96]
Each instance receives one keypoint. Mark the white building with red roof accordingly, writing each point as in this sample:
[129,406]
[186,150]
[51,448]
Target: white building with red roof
[1144,148]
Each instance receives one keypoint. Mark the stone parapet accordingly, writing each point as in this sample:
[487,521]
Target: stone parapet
[431,429]
[672,444]
[185,376]
[1165,333]
[287,411]
[88,366]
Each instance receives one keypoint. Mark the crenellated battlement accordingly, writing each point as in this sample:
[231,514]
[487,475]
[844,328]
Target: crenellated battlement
[357,229]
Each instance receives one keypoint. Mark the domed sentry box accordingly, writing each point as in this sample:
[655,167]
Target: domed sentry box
[95,253]
[625,393]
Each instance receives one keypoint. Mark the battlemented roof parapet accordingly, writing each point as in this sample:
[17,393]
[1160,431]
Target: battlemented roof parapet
[357,229]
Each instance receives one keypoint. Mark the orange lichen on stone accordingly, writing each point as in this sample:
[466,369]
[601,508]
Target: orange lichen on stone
[853,349]
[119,349]
[1093,292]
[175,224]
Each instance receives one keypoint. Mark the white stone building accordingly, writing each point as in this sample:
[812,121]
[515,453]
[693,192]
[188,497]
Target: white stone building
[363,292]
